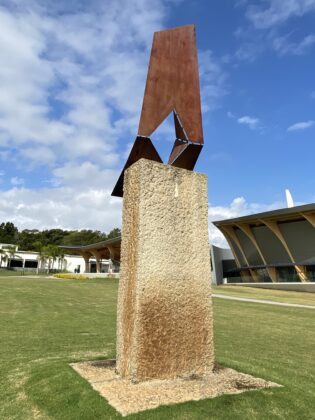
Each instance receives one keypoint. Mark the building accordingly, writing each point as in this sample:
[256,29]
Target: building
[275,246]
[30,261]
[272,247]
[101,257]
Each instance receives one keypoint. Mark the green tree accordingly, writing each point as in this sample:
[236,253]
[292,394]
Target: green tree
[41,259]
[51,253]
[53,236]
[61,259]
[8,233]
[114,233]
[3,256]
[27,237]
[37,246]
[11,249]
[84,237]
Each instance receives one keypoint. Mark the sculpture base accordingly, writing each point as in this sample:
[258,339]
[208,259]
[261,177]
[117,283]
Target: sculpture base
[164,317]
[128,398]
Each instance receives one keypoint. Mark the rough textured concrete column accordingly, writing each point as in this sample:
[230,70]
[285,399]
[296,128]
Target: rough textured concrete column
[164,325]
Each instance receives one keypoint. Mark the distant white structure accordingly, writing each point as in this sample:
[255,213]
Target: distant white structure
[289,198]
[29,260]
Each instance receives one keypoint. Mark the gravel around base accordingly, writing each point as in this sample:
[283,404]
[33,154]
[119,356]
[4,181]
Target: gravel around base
[128,398]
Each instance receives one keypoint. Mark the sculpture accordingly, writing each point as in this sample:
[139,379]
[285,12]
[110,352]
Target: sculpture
[172,86]
[165,208]
[165,351]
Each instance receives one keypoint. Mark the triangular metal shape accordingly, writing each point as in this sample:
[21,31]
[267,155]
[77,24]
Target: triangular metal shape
[179,128]
[142,148]
[186,155]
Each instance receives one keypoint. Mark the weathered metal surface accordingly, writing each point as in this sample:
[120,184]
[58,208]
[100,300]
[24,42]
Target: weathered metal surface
[173,83]
[185,157]
[172,86]
[142,148]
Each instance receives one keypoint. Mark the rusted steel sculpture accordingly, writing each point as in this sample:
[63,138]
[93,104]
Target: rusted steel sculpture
[172,86]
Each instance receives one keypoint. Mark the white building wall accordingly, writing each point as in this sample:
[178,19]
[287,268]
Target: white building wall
[217,256]
[70,263]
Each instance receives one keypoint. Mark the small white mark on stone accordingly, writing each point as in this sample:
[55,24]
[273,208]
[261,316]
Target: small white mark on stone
[176,190]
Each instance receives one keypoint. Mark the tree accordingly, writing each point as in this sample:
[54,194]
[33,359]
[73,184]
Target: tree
[114,233]
[41,258]
[3,256]
[36,246]
[84,237]
[51,253]
[11,249]
[27,238]
[61,259]
[8,233]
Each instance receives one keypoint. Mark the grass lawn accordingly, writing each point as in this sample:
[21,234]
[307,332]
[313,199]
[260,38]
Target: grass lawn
[45,324]
[19,273]
[8,273]
[266,294]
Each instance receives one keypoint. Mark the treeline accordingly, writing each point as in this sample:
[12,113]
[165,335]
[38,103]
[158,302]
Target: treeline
[36,240]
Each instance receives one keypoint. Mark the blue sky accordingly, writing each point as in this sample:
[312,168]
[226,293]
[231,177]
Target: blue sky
[72,75]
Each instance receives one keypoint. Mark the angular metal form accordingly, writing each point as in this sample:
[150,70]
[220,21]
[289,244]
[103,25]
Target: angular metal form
[142,148]
[172,86]
[173,83]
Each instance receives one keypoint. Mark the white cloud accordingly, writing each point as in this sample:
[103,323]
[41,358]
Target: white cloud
[263,32]
[278,12]
[85,176]
[16,181]
[39,155]
[63,207]
[72,76]
[73,81]
[78,197]
[250,48]
[230,115]
[251,122]
[300,125]
[283,46]
[78,206]
[213,79]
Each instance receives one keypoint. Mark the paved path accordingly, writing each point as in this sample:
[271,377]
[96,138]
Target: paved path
[268,302]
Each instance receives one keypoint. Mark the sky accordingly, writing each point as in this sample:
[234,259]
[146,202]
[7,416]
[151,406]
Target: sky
[72,77]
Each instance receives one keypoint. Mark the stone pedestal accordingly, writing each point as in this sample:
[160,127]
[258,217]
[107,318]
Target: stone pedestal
[164,325]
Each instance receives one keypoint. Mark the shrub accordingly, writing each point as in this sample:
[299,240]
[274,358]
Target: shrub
[71,276]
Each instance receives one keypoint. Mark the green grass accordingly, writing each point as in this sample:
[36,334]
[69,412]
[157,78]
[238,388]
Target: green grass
[266,294]
[19,273]
[8,273]
[46,324]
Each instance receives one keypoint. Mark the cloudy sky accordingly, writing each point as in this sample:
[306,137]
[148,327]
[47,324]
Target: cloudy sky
[72,76]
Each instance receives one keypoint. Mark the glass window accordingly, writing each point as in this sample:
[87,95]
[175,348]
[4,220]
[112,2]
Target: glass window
[310,272]
[287,275]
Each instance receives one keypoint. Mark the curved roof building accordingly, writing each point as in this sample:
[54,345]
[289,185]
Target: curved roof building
[274,246]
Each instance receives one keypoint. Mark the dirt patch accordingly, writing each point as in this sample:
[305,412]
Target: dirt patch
[128,398]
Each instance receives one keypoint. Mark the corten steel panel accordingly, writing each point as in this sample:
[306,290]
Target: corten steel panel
[142,148]
[173,83]
[185,157]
